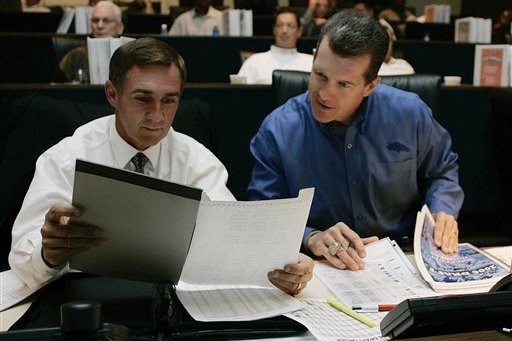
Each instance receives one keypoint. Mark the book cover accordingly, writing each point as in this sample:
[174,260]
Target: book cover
[492,63]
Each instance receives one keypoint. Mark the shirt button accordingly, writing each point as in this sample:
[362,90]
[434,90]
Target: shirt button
[349,145]
[359,217]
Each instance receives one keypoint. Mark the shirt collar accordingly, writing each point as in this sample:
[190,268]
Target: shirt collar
[281,50]
[123,152]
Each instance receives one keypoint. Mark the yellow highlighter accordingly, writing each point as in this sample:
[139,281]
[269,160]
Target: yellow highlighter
[351,313]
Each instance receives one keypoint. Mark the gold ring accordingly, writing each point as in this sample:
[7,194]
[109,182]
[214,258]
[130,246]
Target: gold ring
[454,232]
[334,248]
[297,289]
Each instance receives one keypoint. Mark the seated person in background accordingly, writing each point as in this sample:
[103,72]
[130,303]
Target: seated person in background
[373,153]
[145,84]
[316,16]
[105,22]
[501,32]
[282,55]
[141,7]
[391,65]
[202,20]
[366,7]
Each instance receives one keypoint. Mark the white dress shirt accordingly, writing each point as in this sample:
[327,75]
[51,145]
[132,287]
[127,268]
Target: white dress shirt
[259,66]
[177,158]
[191,24]
[395,67]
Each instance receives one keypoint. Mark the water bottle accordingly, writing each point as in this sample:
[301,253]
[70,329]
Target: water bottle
[80,77]
[215,31]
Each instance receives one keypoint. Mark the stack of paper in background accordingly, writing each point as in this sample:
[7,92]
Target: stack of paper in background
[237,22]
[492,65]
[66,20]
[437,14]
[83,15]
[473,30]
[100,50]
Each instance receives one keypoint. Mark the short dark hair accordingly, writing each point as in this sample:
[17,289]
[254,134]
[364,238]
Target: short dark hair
[352,33]
[142,52]
[284,10]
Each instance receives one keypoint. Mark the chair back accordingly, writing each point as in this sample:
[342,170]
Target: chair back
[62,44]
[288,83]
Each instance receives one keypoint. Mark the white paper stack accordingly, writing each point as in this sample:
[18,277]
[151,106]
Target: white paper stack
[65,21]
[473,30]
[100,50]
[237,22]
[83,17]
[492,65]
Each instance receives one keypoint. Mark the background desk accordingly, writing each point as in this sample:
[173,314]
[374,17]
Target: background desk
[32,58]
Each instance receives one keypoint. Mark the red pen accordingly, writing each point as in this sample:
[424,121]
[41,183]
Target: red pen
[373,308]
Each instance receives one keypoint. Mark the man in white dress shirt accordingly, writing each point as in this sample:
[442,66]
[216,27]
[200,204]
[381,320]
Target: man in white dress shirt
[145,84]
[283,55]
[393,66]
[202,20]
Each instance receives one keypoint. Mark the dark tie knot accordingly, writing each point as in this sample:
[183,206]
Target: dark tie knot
[139,161]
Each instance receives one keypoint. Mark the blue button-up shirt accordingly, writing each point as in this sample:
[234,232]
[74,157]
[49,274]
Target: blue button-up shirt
[374,174]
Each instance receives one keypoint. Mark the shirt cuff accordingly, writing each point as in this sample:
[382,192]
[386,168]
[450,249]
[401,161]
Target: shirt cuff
[42,272]
[305,242]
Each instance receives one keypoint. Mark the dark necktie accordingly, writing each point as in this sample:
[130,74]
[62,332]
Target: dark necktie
[139,160]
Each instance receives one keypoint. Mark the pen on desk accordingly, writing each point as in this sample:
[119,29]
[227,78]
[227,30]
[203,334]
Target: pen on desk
[350,312]
[373,308]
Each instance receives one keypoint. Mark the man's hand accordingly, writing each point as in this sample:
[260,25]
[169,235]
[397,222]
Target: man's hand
[294,277]
[60,240]
[341,246]
[446,232]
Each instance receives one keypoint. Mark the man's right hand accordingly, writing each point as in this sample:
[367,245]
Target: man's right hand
[61,240]
[341,246]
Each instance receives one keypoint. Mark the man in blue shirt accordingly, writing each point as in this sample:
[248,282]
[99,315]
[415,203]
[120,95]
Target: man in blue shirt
[373,153]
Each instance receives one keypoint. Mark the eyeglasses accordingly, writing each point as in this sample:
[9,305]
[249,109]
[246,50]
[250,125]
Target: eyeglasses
[291,26]
[106,21]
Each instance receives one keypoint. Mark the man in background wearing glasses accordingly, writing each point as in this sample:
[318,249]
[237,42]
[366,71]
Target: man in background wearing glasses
[105,22]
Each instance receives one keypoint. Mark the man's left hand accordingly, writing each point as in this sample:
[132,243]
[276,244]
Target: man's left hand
[294,277]
[446,232]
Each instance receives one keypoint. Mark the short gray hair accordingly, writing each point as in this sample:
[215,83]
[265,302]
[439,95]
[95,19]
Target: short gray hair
[113,6]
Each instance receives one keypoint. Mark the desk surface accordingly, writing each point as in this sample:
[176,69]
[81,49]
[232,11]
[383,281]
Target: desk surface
[316,289]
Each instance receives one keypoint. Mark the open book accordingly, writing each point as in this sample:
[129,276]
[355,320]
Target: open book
[470,270]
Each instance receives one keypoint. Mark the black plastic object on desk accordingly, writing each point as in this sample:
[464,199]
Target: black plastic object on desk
[441,315]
